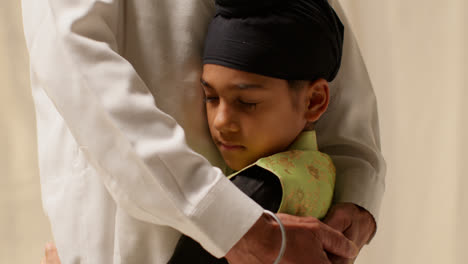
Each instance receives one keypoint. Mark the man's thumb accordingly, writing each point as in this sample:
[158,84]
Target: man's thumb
[336,243]
[336,220]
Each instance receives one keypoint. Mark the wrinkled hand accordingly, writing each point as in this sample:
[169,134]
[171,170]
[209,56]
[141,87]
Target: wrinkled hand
[307,240]
[51,255]
[356,223]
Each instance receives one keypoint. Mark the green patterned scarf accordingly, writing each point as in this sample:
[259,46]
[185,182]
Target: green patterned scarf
[307,177]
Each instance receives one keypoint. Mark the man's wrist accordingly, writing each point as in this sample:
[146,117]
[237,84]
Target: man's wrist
[257,239]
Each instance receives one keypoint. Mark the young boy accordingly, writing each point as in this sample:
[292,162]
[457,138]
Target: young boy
[265,77]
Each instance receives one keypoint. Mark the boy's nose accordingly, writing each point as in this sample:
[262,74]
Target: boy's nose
[225,120]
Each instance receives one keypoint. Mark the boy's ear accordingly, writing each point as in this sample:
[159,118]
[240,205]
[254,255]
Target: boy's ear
[318,97]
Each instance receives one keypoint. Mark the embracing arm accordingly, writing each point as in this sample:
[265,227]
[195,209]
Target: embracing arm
[349,133]
[349,130]
[139,151]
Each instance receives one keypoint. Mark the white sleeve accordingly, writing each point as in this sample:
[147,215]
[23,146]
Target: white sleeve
[349,130]
[139,151]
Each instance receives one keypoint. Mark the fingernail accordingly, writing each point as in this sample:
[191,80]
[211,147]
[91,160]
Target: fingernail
[49,246]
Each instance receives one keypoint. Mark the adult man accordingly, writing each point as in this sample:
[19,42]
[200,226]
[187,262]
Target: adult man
[113,82]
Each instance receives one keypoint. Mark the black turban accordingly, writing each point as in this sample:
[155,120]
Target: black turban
[286,39]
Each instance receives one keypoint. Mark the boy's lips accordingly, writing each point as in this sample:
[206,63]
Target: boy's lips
[229,145]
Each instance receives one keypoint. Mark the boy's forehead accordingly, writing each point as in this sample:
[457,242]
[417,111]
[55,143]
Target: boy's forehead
[242,86]
[217,75]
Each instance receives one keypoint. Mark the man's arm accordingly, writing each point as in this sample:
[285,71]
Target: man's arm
[349,130]
[139,151]
[349,133]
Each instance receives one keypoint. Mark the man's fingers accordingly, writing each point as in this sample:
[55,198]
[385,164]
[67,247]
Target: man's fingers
[336,243]
[353,234]
[51,254]
[286,218]
[339,218]
[339,260]
[333,241]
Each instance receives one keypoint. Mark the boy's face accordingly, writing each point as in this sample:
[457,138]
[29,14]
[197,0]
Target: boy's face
[249,115]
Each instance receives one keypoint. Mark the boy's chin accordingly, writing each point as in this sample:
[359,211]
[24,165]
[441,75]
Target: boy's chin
[237,165]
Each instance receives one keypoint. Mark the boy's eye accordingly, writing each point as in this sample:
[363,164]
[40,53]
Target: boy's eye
[248,105]
[209,99]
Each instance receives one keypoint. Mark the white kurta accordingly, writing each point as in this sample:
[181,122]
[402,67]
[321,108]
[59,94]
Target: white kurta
[115,85]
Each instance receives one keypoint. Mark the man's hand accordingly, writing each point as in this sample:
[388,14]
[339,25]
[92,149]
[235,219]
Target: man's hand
[354,222]
[307,241]
[51,255]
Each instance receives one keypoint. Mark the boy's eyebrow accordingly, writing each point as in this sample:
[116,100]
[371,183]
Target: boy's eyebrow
[242,86]
[204,83]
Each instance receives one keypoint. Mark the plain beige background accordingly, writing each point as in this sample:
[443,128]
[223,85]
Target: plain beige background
[416,56]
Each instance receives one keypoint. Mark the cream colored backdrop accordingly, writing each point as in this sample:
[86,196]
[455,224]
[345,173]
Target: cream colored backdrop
[23,226]
[416,58]
[416,55]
